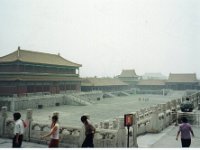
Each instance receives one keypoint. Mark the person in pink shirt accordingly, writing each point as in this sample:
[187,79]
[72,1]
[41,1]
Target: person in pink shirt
[186,130]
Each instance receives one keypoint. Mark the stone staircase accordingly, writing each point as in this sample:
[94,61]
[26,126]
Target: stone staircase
[77,101]
[108,95]
[125,93]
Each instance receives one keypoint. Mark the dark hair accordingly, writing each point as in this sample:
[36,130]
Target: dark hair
[84,118]
[184,120]
[16,116]
[187,98]
[55,118]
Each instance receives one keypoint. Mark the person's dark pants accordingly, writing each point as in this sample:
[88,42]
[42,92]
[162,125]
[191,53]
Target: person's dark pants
[19,144]
[88,142]
[186,142]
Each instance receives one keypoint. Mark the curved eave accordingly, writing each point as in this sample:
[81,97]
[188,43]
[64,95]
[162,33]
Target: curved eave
[39,77]
[18,60]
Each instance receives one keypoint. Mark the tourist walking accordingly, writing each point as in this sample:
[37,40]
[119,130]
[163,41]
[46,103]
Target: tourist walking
[54,133]
[18,131]
[89,132]
[185,129]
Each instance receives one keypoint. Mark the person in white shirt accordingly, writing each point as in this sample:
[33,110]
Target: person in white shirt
[54,133]
[18,131]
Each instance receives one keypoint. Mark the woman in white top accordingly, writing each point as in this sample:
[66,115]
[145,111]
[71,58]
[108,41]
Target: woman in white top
[54,133]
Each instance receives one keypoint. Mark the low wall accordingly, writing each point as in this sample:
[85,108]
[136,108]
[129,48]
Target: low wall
[45,100]
[70,136]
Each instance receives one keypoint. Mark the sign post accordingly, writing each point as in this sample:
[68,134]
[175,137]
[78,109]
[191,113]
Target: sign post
[128,121]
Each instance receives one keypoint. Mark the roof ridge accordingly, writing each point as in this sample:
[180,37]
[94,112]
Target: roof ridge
[32,51]
[38,57]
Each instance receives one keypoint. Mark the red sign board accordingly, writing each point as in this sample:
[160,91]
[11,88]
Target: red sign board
[128,120]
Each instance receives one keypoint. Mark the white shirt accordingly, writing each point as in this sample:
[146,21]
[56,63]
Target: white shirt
[19,127]
[56,134]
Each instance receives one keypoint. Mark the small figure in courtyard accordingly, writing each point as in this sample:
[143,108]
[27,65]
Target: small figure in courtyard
[185,129]
[89,132]
[18,131]
[54,133]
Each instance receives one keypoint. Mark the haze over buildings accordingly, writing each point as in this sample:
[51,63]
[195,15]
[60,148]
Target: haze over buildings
[107,36]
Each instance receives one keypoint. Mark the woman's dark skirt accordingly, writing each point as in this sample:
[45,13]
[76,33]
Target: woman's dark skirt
[54,143]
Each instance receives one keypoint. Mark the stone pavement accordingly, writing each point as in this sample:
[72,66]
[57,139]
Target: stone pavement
[7,143]
[167,139]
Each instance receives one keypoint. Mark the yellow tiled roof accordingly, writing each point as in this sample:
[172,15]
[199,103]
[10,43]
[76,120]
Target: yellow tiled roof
[37,57]
[101,82]
[189,77]
[128,73]
[151,82]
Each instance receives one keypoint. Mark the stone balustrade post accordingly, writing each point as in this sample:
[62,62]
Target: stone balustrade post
[28,121]
[174,104]
[121,134]
[159,108]
[134,126]
[152,108]
[154,126]
[198,97]
[115,124]
[143,110]
[168,106]
[171,105]
[101,125]
[96,125]
[163,92]
[198,101]
[164,108]
[12,104]
[3,117]
[106,124]
[175,111]
[195,100]
[179,101]
[199,106]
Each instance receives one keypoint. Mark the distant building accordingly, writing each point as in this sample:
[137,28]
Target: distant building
[151,84]
[156,76]
[103,84]
[26,71]
[129,77]
[182,81]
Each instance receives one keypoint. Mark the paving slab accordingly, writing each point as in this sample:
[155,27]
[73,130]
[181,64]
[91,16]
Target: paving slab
[7,143]
[167,139]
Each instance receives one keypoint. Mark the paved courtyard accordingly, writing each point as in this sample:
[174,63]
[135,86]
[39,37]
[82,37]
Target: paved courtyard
[106,109]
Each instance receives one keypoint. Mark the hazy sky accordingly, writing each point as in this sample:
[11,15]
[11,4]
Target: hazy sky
[106,36]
